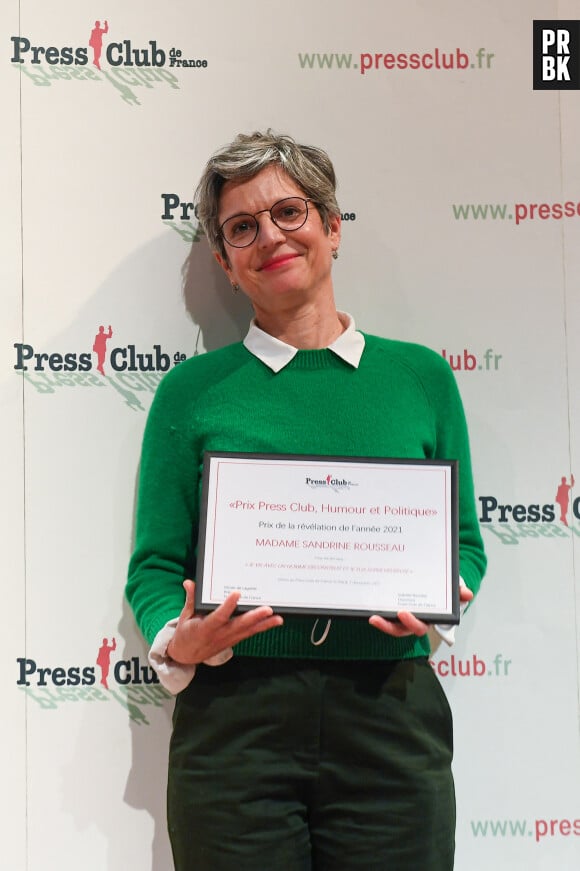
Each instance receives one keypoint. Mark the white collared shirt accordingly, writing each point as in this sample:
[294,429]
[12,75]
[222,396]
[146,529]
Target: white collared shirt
[276,354]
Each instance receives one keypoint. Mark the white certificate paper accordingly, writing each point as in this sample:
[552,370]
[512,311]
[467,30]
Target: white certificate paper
[330,535]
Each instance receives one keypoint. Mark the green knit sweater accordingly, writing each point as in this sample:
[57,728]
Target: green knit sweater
[401,401]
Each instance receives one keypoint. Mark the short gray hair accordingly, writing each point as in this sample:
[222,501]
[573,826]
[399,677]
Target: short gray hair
[308,166]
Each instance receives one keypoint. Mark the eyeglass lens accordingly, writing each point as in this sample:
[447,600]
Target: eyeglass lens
[288,214]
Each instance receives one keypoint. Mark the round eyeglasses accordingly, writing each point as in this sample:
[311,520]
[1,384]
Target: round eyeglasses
[288,214]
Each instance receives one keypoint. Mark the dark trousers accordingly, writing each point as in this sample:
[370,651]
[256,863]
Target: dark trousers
[295,765]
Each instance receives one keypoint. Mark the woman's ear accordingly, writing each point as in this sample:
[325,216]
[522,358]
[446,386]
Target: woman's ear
[224,263]
[334,230]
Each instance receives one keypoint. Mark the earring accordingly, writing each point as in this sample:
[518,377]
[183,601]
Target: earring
[236,288]
[335,254]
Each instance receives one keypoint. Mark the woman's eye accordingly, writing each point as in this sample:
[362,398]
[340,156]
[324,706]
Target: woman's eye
[287,214]
[240,227]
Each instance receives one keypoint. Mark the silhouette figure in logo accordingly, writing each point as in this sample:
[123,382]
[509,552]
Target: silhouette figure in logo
[104,659]
[100,347]
[96,42]
[563,498]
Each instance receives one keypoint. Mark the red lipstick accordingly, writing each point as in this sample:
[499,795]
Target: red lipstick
[276,262]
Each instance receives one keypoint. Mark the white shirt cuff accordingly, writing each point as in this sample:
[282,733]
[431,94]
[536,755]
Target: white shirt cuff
[446,631]
[175,676]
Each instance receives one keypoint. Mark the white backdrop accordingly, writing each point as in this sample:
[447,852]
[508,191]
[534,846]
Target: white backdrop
[438,168]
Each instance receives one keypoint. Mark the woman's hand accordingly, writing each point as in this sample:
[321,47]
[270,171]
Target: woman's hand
[407,623]
[197,639]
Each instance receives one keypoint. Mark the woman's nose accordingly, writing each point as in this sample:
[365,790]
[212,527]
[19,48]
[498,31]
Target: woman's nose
[268,231]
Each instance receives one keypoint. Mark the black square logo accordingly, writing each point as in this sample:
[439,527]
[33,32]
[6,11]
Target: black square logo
[556,55]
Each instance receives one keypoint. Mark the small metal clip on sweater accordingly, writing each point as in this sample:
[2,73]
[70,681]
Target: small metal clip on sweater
[324,636]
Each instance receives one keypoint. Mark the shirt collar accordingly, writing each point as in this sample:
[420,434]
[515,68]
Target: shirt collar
[276,354]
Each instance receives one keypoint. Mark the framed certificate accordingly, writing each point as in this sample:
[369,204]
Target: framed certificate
[350,536]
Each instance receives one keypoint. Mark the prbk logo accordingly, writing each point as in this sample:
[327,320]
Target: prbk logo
[126,681]
[329,482]
[123,62]
[127,368]
[556,55]
[513,522]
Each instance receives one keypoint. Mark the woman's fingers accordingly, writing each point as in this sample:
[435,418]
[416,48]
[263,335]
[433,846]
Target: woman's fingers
[188,609]
[198,638]
[465,594]
[406,624]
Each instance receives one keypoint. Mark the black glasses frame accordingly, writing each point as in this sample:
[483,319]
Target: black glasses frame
[305,200]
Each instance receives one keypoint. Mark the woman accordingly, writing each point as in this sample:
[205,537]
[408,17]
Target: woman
[305,749]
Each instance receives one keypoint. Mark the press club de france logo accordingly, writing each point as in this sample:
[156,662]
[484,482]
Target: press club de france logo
[104,53]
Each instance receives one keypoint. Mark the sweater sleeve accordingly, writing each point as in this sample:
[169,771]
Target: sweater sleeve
[167,514]
[452,442]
